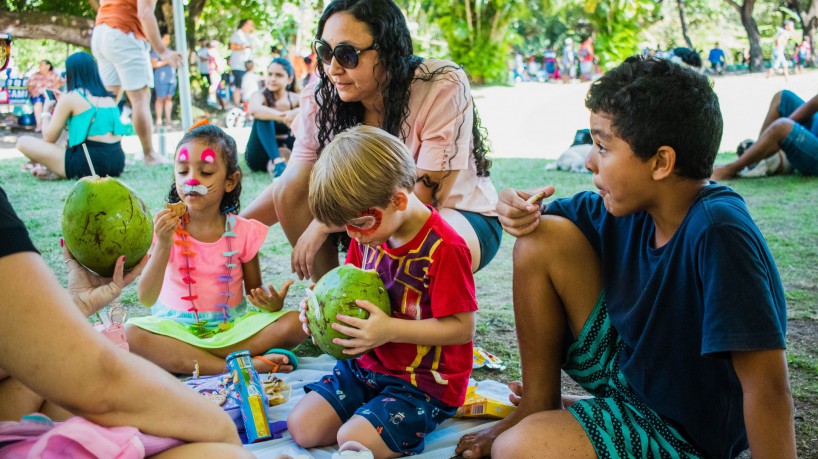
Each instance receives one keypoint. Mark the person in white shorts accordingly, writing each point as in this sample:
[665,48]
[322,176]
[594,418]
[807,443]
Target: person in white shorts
[121,43]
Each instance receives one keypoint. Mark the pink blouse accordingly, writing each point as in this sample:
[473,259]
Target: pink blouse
[438,136]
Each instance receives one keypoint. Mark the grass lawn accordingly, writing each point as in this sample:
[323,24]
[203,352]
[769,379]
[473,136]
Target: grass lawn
[783,207]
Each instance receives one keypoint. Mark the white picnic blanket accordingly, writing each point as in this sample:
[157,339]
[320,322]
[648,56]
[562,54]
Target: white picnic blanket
[439,444]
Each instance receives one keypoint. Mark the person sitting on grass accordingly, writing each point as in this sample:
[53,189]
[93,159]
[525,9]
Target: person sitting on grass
[273,109]
[52,361]
[89,113]
[416,372]
[790,129]
[632,291]
[200,261]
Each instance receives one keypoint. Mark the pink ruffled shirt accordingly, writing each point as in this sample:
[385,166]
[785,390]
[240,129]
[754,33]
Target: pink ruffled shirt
[440,123]
[209,263]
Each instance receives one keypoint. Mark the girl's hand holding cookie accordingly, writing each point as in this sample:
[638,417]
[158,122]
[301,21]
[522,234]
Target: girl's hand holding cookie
[165,223]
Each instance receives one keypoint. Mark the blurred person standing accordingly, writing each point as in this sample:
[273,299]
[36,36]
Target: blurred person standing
[782,37]
[164,77]
[241,51]
[124,33]
[568,66]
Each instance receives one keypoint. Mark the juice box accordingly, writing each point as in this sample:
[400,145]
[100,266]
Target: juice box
[252,400]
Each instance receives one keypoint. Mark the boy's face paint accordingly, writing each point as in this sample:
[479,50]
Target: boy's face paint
[366,223]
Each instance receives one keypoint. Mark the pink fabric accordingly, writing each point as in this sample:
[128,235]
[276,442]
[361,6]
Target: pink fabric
[76,438]
[209,262]
[439,111]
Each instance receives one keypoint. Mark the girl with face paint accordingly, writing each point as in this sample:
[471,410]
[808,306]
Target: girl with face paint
[199,262]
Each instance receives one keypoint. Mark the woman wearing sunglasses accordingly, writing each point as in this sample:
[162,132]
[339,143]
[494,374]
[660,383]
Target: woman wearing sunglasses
[369,75]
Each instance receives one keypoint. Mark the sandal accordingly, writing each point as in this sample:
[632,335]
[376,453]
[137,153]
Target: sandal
[291,359]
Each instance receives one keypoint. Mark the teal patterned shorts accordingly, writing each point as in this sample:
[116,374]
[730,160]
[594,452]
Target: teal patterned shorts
[618,424]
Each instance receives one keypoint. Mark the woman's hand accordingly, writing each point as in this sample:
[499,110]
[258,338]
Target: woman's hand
[91,292]
[306,247]
[518,212]
[365,334]
[268,298]
[165,223]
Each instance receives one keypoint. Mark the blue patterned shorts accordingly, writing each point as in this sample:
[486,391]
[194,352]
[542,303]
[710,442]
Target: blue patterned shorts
[401,413]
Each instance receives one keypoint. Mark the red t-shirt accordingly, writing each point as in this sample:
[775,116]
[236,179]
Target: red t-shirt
[429,277]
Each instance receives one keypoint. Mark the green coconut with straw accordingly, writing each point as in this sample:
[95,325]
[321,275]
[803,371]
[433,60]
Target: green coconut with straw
[104,219]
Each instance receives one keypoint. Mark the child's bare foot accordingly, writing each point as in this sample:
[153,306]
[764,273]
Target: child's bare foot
[153,159]
[272,363]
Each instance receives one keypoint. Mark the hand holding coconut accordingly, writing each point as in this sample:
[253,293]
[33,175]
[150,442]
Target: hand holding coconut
[365,334]
[91,292]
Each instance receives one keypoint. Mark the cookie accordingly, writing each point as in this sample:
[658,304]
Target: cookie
[178,208]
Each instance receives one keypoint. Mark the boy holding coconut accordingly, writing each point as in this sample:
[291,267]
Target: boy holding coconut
[417,372]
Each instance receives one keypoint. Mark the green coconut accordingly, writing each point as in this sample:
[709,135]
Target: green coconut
[335,293]
[102,220]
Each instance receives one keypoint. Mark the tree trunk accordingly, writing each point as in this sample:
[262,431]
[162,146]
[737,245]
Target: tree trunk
[746,12]
[194,12]
[684,24]
[60,27]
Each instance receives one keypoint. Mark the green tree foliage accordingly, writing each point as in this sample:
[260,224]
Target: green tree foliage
[477,33]
[617,24]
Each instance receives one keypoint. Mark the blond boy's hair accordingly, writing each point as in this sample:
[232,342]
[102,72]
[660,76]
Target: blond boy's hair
[361,168]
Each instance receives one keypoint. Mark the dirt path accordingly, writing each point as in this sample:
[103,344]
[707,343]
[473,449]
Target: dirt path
[538,120]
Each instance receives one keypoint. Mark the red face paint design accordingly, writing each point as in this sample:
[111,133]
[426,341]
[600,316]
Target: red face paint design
[366,223]
[183,155]
[208,155]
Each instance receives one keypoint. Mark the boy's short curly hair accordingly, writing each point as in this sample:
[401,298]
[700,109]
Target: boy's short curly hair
[654,102]
[361,168]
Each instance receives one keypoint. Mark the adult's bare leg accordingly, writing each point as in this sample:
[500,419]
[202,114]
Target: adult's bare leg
[48,154]
[557,282]
[290,193]
[768,144]
[38,111]
[143,124]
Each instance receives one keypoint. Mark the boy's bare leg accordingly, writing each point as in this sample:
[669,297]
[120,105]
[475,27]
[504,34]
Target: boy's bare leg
[313,422]
[557,282]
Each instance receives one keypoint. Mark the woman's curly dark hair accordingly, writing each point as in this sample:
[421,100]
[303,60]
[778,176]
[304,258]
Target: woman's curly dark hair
[215,138]
[395,52]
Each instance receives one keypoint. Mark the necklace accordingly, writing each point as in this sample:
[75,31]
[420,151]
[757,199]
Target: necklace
[200,327]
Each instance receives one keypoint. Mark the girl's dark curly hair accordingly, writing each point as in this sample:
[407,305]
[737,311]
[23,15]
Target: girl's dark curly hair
[395,52]
[215,138]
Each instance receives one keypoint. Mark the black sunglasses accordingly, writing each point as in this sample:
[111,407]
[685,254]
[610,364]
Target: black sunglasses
[346,55]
